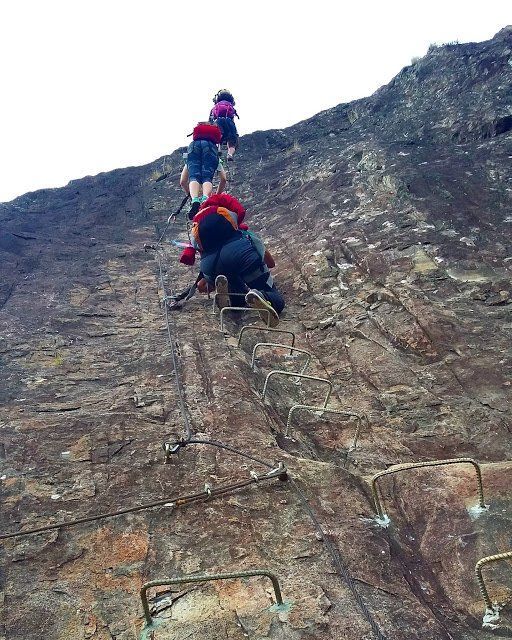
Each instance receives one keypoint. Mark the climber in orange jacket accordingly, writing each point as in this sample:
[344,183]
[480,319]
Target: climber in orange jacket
[232,257]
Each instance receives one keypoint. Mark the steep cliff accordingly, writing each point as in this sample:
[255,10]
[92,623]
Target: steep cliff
[390,221]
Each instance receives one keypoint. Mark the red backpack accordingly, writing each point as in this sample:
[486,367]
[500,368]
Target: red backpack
[206,131]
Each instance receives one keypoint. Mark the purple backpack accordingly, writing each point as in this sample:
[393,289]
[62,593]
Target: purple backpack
[223,109]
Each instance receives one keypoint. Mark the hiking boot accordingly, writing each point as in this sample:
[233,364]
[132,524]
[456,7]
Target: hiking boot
[222,291]
[256,300]
[194,209]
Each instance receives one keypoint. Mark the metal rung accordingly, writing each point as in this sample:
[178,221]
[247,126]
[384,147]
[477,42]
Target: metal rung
[207,578]
[417,465]
[282,346]
[252,327]
[305,407]
[234,295]
[297,375]
[243,309]
[478,571]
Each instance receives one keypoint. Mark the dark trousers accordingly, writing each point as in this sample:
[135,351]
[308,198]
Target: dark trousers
[236,260]
[229,132]
[271,293]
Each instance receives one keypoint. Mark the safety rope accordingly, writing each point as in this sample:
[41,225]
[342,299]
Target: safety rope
[181,400]
[174,447]
[170,219]
[179,501]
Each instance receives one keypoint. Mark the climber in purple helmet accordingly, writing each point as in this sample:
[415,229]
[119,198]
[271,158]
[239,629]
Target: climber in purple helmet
[223,114]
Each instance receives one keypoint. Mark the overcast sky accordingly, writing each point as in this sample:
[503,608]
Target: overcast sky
[92,85]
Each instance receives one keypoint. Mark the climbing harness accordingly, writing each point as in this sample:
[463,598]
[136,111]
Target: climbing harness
[418,465]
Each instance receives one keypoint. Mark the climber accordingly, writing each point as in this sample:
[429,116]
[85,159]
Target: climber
[202,285]
[223,179]
[222,205]
[202,162]
[233,258]
[223,114]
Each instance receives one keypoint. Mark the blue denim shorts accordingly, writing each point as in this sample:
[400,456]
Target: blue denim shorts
[202,160]
[229,132]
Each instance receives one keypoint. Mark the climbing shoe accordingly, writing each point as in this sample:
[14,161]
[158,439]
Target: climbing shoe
[194,209]
[222,291]
[255,300]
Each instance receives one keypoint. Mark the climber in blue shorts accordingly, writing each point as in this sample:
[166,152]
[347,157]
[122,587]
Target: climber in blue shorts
[202,163]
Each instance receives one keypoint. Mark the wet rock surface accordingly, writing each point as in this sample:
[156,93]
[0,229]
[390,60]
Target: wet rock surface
[389,220]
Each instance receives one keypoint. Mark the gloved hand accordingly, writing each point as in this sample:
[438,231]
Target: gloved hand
[188,256]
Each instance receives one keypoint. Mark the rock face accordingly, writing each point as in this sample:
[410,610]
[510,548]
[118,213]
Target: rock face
[390,221]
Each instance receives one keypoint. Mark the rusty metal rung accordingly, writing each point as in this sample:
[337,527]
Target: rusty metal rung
[283,346]
[207,578]
[231,295]
[297,375]
[306,407]
[417,465]
[243,310]
[253,327]
[478,571]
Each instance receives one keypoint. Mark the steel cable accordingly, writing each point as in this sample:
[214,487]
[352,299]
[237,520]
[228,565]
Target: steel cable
[177,502]
[333,551]
[206,494]
[171,217]
[176,446]
[183,408]
[335,554]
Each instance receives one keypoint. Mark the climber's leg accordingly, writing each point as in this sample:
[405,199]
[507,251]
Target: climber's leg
[184,180]
[222,178]
[194,167]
